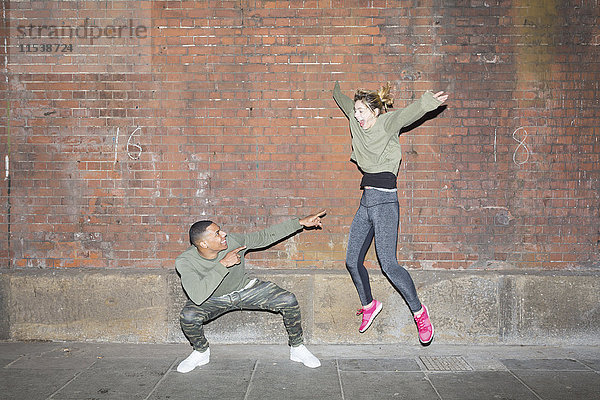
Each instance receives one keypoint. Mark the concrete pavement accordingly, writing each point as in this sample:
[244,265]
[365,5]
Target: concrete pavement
[75,370]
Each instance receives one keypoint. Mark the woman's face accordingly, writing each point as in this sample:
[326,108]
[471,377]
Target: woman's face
[363,114]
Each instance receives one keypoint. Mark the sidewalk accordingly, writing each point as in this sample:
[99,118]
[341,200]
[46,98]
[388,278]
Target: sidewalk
[147,371]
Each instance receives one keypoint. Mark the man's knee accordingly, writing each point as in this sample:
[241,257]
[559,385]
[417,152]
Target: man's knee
[287,299]
[188,316]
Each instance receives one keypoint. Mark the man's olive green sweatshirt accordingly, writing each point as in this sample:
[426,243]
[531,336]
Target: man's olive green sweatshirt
[377,149]
[202,278]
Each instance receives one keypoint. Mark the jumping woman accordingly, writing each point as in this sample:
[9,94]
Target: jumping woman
[376,151]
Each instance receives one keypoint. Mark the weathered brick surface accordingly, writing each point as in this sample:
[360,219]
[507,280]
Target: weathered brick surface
[222,109]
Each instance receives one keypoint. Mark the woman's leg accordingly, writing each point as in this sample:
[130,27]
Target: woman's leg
[359,240]
[385,220]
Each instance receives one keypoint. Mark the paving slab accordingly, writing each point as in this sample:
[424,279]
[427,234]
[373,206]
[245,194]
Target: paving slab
[130,350]
[478,385]
[362,385]
[561,385]
[220,379]
[16,384]
[290,380]
[127,379]
[55,358]
[555,364]
[379,364]
[17,349]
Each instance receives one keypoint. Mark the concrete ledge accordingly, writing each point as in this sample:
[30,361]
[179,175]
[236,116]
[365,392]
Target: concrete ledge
[467,307]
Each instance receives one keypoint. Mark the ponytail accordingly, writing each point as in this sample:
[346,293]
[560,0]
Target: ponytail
[380,99]
[385,96]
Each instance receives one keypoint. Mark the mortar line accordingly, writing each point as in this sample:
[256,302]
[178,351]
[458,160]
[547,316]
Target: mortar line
[432,385]
[162,378]
[71,380]
[337,367]
[524,384]
[585,365]
[13,361]
[251,380]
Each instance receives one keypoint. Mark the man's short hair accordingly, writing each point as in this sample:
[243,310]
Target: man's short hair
[198,229]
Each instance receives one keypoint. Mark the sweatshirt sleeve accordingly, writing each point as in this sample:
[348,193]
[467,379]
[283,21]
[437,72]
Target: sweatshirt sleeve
[400,118]
[345,103]
[257,240]
[200,282]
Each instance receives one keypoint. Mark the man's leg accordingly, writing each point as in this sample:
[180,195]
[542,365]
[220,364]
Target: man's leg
[192,319]
[268,296]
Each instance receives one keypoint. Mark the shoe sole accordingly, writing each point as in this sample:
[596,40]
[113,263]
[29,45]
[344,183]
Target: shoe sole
[204,362]
[375,313]
[300,361]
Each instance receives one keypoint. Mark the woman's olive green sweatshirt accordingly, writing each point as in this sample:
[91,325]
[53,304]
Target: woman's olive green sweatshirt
[377,149]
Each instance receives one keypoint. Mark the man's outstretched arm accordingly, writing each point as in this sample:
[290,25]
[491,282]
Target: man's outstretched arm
[266,237]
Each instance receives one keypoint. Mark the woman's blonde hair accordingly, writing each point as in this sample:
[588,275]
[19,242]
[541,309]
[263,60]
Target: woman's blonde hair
[381,99]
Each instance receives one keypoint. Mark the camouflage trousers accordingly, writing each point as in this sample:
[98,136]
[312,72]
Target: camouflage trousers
[262,296]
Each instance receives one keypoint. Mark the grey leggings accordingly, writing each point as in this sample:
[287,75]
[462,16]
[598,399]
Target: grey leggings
[377,216]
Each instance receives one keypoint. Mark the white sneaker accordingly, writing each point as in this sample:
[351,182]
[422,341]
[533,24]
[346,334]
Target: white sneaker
[194,360]
[301,354]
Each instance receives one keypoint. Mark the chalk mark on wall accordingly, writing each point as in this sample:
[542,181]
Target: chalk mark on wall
[522,145]
[135,154]
[495,145]
[116,146]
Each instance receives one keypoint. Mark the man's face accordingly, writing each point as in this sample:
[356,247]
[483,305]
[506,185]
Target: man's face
[214,238]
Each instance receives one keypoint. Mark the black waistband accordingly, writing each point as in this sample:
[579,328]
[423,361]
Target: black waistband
[382,180]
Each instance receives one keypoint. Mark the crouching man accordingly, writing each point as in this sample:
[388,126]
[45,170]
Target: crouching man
[214,278]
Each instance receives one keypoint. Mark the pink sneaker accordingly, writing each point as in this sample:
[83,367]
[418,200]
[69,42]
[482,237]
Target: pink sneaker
[425,327]
[368,315]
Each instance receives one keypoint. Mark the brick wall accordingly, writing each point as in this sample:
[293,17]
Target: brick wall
[145,116]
